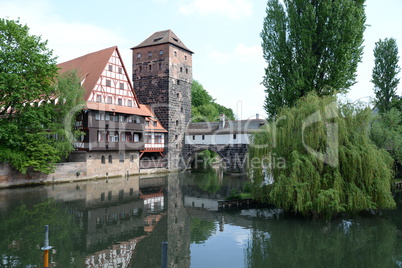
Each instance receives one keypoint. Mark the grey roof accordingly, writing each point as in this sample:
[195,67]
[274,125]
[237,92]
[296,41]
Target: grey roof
[231,127]
[163,37]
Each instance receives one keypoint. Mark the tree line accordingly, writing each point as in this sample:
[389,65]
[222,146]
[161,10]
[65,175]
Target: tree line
[340,157]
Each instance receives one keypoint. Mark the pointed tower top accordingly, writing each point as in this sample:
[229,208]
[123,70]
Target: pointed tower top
[163,37]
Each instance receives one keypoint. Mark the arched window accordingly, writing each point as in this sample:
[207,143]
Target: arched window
[110,158]
[103,159]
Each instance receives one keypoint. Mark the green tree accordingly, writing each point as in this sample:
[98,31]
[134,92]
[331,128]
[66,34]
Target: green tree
[385,73]
[35,101]
[310,45]
[329,163]
[386,133]
[204,107]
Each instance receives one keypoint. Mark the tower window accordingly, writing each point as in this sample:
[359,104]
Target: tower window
[160,52]
[181,69]
[160,66]
[177,122]
[185,57]
[149,54]
[138,55]
[150,67]
[178,82]
[140,68]
[175,137]
[186,71]
[175,53]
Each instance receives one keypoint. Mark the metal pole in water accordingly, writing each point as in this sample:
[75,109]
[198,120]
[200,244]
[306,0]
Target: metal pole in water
[164,254]
[46,248]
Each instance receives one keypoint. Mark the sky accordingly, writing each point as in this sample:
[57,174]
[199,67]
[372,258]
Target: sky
[223,34]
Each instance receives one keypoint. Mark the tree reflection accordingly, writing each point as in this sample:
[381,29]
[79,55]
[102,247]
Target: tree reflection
[208,180]
[354,243]
[23,235]
[201,230]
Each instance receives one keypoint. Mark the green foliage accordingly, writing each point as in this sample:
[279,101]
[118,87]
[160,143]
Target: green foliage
[208,180]
[23,233]
[201,230]
[310,46]
[331,166]
[385,73]
[203,106]
[386,133]
[35,101]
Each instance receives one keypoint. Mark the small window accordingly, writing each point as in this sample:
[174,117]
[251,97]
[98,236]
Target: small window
[109,100]
[98,98]
[178,82]
[155,124]
[181,69]
[122,86]
[120,102]
[175,53]
[97,116]
[136,137]
[130,103]
[193,137]
[110,159]
[203,137]
[181,109]
[108,83]
[185,57]
[234,136]
[140,68]
[121,157]
[103,159]
[176,137]
[177,122]
[138,55]
[120,70]
[109,195]
[103,196]
[178,95]
[186,71]
[149,54]
[160,52]
[150,67]
[131,158]
[110,68]
[131,190]
[160,66]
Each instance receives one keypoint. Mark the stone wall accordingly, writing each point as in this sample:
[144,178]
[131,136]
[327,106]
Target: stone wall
[122,163]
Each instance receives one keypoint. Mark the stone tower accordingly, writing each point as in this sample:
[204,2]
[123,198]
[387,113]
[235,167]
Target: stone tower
[162,77]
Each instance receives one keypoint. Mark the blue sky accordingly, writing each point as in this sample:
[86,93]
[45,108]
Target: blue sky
[224,34]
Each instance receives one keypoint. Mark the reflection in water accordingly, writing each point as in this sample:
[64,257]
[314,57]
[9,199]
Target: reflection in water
[123,222]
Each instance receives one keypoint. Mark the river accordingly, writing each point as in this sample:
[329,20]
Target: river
[123,223]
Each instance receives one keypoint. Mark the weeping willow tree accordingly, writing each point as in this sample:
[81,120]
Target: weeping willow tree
[317,159]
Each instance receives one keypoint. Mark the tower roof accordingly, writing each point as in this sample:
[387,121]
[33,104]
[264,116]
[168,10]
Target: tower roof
[163,37]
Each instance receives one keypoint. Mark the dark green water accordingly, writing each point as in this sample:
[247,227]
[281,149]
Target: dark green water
[123,222]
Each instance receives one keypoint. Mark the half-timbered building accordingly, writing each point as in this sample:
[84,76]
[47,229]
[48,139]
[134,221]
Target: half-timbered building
[114,123]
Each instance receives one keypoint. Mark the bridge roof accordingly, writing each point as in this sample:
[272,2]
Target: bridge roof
[231,127]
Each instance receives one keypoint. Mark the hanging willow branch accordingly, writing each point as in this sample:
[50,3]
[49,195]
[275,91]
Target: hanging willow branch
[328,163]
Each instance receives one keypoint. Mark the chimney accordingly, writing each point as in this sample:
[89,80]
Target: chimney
[257,116]
[221,121]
